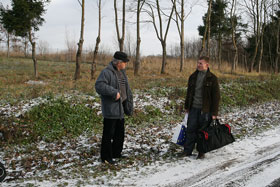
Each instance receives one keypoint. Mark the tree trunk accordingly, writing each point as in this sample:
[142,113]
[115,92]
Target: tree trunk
[206,31]
[98,40]
[252,63]
[137,60]
[33,45]
[235,58]
[25,47]
[261,53]
[94,63]
[257,35]
[220,51]
[8,45]
[163,44]
[209,29]
[120,38]
[182,42]
[277,46]
[80,45]
[123,28]
[201,51]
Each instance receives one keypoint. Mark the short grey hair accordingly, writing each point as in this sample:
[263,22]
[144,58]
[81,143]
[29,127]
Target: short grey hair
[116,61]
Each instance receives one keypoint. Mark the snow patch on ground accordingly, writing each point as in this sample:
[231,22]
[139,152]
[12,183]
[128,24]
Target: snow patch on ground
[225,161]
[35,82]
[249,122]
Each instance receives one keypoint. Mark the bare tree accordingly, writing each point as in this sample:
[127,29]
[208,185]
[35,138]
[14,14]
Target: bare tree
[233,32]
[255,9]
[15,44]
[130,44]
[192,47]
[31,38]
[26,46]
[262,29]
[43,47]
[120,38]
[98,40]
[180,18]
[80,44]
[70,45]
[206,31]
[159,31]
[277,49]
[140,4]
[209,27]
[5,36]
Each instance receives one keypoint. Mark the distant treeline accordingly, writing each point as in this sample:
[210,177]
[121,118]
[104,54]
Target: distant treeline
[241,33]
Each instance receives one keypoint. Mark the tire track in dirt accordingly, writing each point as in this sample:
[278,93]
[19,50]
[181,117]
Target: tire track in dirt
[275,183]
[237,171]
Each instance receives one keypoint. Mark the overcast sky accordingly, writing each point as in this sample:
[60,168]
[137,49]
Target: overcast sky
[64,16]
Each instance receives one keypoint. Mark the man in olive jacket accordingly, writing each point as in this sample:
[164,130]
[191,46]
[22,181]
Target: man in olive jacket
[116,99]
[202,102]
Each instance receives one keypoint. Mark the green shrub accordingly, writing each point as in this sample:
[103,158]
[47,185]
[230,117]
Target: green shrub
[245,92]
[58,118]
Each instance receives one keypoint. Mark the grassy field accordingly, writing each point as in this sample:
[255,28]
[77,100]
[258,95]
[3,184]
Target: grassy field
[59,134]
[56,78]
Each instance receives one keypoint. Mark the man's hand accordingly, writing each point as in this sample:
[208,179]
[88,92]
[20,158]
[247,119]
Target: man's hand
[118,96]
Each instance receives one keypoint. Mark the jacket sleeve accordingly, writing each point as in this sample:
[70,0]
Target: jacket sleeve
[215,97]
[103,87]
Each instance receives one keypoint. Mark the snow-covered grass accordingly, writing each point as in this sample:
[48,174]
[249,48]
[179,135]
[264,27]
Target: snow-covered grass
[75,161]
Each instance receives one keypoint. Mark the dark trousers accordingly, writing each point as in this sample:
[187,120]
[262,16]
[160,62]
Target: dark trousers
[112,139]
[196,121]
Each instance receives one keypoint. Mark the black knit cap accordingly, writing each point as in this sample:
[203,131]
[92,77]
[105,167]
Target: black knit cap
[121,56]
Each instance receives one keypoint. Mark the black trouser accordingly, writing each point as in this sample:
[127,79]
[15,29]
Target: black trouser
[196,120]
[112,139]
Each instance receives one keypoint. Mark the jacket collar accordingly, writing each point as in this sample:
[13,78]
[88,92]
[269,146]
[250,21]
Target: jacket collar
[113,69]
[208,73]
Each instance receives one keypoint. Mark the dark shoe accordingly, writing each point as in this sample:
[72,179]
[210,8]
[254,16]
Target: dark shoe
[200,156]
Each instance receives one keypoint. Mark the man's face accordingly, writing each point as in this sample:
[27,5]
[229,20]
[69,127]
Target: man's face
[202,65]
[121,65]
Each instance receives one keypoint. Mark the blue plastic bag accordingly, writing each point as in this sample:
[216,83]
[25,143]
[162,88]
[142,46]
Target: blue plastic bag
[179,132]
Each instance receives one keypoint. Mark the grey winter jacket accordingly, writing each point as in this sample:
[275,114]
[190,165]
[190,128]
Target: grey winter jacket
[107,87]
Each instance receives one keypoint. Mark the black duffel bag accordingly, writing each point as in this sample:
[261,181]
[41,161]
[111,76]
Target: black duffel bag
[214,136]
[2,172]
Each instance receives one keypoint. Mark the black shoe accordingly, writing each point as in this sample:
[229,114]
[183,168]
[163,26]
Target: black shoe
[200,156]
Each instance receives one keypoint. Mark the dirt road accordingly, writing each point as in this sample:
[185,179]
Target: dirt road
[251,162]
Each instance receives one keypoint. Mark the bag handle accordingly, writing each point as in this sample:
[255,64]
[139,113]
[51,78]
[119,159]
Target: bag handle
[215,122]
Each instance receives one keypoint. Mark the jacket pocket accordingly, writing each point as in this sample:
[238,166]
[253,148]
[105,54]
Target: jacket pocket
[111,109]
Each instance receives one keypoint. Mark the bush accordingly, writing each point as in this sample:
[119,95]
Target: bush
[245,92]
[58,118]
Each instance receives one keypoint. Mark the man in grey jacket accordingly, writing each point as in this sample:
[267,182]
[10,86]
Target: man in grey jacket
[116,99]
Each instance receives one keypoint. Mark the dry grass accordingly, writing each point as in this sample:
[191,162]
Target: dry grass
[58,76]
